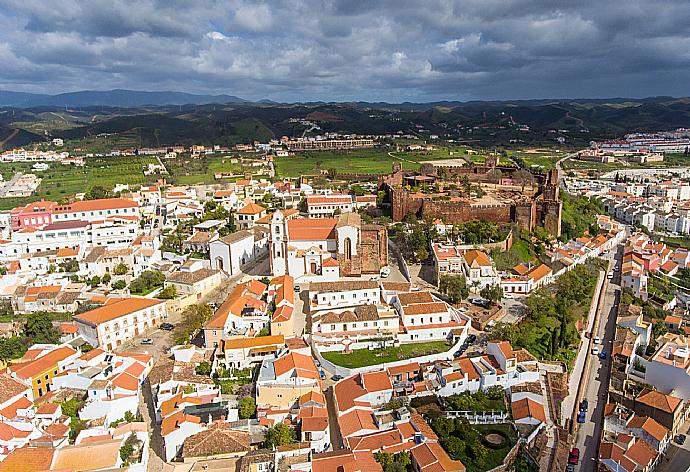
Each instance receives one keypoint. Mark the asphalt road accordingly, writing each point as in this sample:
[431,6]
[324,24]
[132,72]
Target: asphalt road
[596,392]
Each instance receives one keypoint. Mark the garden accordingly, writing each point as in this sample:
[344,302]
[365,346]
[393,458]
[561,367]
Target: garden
[479,447]
[365,357]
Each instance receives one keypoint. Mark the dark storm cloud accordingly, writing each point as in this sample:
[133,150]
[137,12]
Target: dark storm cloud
[349,49]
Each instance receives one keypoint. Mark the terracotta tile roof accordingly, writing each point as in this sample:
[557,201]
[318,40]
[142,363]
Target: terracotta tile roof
[47,409]
[218,439]
[45,362]
[528,408]
[347,392]
[117,309]
[89,456]
[412,367]
[425,308]
[312,396]
[415,297]
[649,425]
[430,457]
[188,278]
[539,272]
[312,229]
[506,349]
[302,364]
[343,286]
[126,382]
[658,400]
[641,453]
[251,209]
[314,423]
[355,421]
[375,441]
[244,343]
[10,411]
[170,423]
[283,313]
[28,459]
[9,432]
[95,205]
[10,388]
[476,258]
[344,460]
[376,381]
[330,262]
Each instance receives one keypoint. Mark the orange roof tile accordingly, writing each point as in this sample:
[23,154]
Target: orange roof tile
[312,229]
[44,363]
[303,365]
[116,309]
[28,459]
[528,408]
[251,209]
[659,400]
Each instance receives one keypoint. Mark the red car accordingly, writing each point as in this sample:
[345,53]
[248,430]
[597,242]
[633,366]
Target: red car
[574,456]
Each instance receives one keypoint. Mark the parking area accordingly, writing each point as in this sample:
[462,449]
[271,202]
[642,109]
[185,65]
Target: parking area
[515,309]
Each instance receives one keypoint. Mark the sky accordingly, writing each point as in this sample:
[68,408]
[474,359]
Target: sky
[340,50]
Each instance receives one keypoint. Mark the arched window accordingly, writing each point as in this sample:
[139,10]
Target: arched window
[348,249]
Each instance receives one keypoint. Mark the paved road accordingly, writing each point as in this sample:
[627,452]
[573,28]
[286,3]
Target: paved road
[677,458]
[596,392]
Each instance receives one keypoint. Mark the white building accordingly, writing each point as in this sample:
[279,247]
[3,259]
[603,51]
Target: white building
[118,321]
[327,206]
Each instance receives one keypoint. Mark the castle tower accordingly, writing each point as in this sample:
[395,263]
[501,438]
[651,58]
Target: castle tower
[551,186]
[278,242]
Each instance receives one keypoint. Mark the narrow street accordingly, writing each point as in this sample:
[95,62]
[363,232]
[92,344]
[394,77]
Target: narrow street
[597,381]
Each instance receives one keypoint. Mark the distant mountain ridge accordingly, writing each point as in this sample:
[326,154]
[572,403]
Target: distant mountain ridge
[110,98]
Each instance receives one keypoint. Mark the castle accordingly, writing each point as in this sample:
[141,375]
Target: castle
[507,200]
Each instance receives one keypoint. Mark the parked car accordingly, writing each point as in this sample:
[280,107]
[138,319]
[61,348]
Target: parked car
[570,468]
[584,405]
[167,326]
[508,296]
[595,351]
[574,456]
[597,340]
[385,272]
[147,341]
[297,288]
[602,355]
[679,439]
[322,374]
[471,338]
[337,377]
[581,417]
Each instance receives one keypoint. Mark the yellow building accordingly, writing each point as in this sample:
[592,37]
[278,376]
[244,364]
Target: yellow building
[40,368]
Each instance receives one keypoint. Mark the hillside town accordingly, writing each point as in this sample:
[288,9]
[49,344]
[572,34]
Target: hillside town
[447,317]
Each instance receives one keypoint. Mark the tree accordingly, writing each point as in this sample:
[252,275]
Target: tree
[204,368]
[493,293]
[97,192]
[523,177]
[193,318]
[106,279]
[12,348]
[119,284]
[120,269]
[147,281]
[279,435]
[40,330]
[454,287]
[168,293]
[246,407]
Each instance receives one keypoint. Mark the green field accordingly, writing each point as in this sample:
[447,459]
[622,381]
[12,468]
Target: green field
[61,180]
[186,170]
[545,160]
[366,357]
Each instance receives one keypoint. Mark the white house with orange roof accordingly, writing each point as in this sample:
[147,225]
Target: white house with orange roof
[120,320]
[426,318]
[281,294]
[242,352]
[498,367]
[249,214]
[281,382]
[243,313]
[669,368]
[479,269]
[327,206]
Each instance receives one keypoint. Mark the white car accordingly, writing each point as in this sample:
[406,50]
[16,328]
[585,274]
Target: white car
[385,272]
[508,296]
[597,340]
[595,351]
